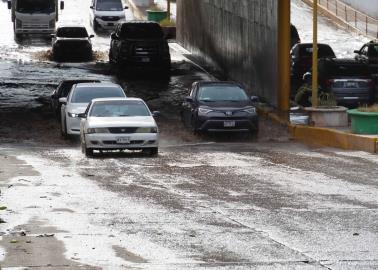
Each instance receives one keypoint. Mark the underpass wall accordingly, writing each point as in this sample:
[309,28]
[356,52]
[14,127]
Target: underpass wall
[239,37]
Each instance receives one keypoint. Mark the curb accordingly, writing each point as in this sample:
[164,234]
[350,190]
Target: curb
[323,136]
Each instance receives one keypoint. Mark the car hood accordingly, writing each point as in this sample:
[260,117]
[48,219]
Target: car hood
[221,105]
[127,121]
[77,107]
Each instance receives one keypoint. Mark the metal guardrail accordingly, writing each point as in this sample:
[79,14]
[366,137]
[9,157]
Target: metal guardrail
[352,17]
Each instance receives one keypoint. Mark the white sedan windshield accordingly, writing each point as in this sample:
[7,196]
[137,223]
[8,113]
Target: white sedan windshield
[119,109]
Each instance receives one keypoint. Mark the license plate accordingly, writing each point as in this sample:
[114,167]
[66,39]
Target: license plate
[350,97]
[123,140]
[351,84]
[145,59]
[110,24]
[229,123]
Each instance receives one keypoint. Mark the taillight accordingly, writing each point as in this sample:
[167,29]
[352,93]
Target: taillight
[371,83]
[329,83]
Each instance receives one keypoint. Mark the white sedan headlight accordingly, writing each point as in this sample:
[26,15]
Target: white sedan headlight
[97,130]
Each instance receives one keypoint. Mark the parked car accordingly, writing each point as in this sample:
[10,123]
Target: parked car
[106,14]
[301,61]
[62,90]
[294,36]
[77,101]
[118,124]
[368,53]
[139,43]
[71,41]
[348,80]
[219,107]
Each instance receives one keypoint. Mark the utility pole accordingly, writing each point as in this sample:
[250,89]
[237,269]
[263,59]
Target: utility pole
[169,9]
[315,55]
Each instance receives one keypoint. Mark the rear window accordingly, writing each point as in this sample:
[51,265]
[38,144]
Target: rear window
[86,94]
[323,51]
[72,32]
[344,69]
[141,31]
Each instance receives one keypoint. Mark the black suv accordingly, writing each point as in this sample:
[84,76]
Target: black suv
[139,44]
[368,53]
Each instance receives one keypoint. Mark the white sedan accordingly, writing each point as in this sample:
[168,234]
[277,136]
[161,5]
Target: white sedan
[118,124]
[77,101]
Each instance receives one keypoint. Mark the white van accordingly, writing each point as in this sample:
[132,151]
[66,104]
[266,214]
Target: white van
[106,14]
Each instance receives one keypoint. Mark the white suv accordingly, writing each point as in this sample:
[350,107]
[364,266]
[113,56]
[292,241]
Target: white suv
[106,14]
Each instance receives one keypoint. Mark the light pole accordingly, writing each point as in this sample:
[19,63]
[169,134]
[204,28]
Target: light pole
[315,55]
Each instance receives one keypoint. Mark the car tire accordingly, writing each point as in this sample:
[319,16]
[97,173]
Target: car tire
[88,152]
[63,131]
[153,151]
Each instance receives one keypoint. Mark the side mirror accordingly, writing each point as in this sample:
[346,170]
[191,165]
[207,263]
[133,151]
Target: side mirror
[9,4]
[91,36]
[307,77]
[52,35]
[126,7]
[61,4]
[113,36]
[82,115]
[63,100]
[189,99]
[156,114]
[255,99]
[91,7]
[357,51]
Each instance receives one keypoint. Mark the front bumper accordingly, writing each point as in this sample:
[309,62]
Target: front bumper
[219,124]
[35,30]
[73,125]
[108,25]
[109,141]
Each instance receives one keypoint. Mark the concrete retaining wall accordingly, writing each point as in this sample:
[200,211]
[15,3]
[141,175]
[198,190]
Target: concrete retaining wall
[238,36]
[370,7]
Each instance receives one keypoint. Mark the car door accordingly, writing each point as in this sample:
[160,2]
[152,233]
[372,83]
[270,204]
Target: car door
[189,106]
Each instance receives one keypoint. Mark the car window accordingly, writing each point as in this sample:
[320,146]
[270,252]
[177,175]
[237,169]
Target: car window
[364,50]
[141,31]
[72,32]
[221,93]
[109,5]
[373,50]
[119,109]
[86,94]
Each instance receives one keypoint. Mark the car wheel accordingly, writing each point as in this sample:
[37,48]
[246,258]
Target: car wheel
[95,25]
[153,152]
[88,151]
[193,126]
[63,129]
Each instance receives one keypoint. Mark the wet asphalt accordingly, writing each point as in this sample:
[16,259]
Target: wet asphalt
[206,202]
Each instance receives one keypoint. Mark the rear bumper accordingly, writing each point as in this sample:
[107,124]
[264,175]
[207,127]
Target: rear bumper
[109,141]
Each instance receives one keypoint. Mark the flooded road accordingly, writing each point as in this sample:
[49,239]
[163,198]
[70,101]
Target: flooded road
[206,202]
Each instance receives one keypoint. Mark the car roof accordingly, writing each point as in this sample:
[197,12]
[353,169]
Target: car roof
[310,44]
[345,61]
[139,22]
[202,83]
[80,80]
[116,99]
[97,85]
[70,26]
